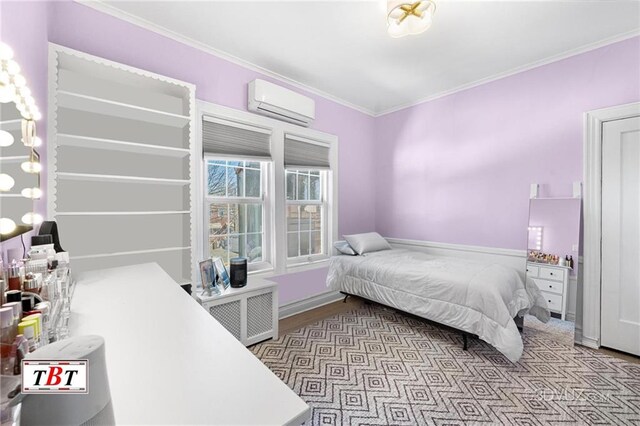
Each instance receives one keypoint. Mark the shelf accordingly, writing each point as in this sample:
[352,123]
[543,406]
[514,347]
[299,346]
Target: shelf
[130,213]
[10,125]
[117,145]
[116,178]
[129,253]
[81,102]
[14,159]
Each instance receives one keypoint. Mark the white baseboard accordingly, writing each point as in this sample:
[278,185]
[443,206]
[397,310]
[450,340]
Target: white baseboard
[589,342]
[309,303]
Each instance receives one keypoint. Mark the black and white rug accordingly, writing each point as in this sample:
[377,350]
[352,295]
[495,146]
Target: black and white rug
[380,367]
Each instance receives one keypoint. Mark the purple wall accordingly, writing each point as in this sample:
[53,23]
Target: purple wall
[82,28]
[23,26]
[465,161]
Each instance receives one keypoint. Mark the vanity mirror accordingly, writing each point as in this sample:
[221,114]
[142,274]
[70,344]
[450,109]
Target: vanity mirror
[552,264]
[19,161]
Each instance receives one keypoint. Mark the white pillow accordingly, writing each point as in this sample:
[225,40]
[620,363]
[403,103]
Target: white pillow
[344,248]
[367,243]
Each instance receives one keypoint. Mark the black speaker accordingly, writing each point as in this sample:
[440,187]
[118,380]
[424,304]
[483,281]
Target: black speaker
[238,267]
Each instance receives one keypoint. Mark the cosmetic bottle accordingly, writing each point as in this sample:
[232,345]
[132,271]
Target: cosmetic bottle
[15,282]
[28,330]
[21,346]
[38,332]
[17,310]
[7,362]
[31,283]
[7,325]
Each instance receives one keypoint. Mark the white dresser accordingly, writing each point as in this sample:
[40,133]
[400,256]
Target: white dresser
[553,282]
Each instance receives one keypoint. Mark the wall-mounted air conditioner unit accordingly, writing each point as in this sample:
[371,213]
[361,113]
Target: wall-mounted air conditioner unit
[284,104]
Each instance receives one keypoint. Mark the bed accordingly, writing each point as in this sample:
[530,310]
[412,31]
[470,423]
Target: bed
[477,298]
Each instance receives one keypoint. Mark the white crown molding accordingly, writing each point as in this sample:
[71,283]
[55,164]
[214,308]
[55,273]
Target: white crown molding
[100,6]
[517,70]
[108,9]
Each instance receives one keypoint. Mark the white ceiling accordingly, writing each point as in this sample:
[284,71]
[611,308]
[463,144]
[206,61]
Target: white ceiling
[342,49]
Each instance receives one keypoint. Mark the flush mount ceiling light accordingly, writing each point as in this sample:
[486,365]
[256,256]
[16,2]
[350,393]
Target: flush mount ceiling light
[406,18]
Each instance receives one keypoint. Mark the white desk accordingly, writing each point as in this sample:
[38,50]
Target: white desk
[169,361]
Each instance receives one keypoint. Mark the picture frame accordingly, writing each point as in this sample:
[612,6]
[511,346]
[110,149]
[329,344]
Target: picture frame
[223,279]
[208,276]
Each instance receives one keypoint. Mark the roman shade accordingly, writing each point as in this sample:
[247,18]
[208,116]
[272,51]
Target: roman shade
[233,139]
[302,153]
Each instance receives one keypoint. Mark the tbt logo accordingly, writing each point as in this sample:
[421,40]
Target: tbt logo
[40,376]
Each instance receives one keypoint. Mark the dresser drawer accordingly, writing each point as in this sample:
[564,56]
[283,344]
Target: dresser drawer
[533,271]
[551,274]
[549,286]
[553,300]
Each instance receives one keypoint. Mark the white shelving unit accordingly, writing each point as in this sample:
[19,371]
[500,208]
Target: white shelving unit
[120,164]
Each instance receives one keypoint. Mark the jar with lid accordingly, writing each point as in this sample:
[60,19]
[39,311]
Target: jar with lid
[13,276]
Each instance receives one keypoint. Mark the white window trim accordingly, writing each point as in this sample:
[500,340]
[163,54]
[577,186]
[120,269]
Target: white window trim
[276,227]
[264,199]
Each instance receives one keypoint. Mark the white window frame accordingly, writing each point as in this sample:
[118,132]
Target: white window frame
[265,263]
[274,189]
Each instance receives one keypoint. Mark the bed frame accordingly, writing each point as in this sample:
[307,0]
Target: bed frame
[465,336]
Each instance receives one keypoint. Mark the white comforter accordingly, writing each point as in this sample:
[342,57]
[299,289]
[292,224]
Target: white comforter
[475,297]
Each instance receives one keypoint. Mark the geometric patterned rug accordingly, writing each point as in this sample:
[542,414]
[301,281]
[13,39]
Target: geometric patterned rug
[377,366]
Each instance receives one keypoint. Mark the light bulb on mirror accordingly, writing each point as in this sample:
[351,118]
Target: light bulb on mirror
[6,182]
[6,52]
[19,81]
[31,167]
[35,115]
[32,219]
[6,138]
[7,226]
[33,193]
[7,93]
[35,142]
[12,67]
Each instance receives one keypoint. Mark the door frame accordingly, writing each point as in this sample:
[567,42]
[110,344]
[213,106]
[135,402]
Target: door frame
[589,330]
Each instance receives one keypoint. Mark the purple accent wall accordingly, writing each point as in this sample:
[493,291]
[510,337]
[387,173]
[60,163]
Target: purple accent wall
[82,28]
[458,169]
[23,26]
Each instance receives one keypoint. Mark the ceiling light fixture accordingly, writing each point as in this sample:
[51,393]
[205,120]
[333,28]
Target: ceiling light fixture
[407,18]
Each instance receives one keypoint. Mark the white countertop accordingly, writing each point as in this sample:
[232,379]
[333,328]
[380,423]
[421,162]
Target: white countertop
[169,361]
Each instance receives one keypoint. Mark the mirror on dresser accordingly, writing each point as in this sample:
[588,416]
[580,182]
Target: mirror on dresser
[552,263]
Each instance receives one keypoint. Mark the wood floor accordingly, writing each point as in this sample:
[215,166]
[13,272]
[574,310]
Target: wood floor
[296,322]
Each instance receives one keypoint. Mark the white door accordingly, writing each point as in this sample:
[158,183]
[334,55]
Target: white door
[620,326]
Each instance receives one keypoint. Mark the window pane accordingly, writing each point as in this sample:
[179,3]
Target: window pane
[253,220]
[293,218]
[303,187]
[218,219]
[304,243]
[291,186]
[254,248]
[235,184]
[315,188]
[316,242]
[233,227]
[218,247]
[305,223]
[252,183]
[253,165]
[292,244]
[236,243]
[216,180]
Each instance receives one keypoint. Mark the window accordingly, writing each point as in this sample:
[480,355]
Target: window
[235,209]
[269,190]
[305,214]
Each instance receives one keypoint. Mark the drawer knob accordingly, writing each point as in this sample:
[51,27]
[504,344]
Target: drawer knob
[550,273]
[550,286]
[549,301]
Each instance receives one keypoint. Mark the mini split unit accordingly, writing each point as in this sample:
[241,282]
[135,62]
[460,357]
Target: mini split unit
[274,101]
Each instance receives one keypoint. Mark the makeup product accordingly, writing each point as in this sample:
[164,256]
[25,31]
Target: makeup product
[7,325]
[32,283]
[15,283]
[17,310]
[27,303]
[7,362]
[28,330]
[40,340]
[13,296]
[3,286]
